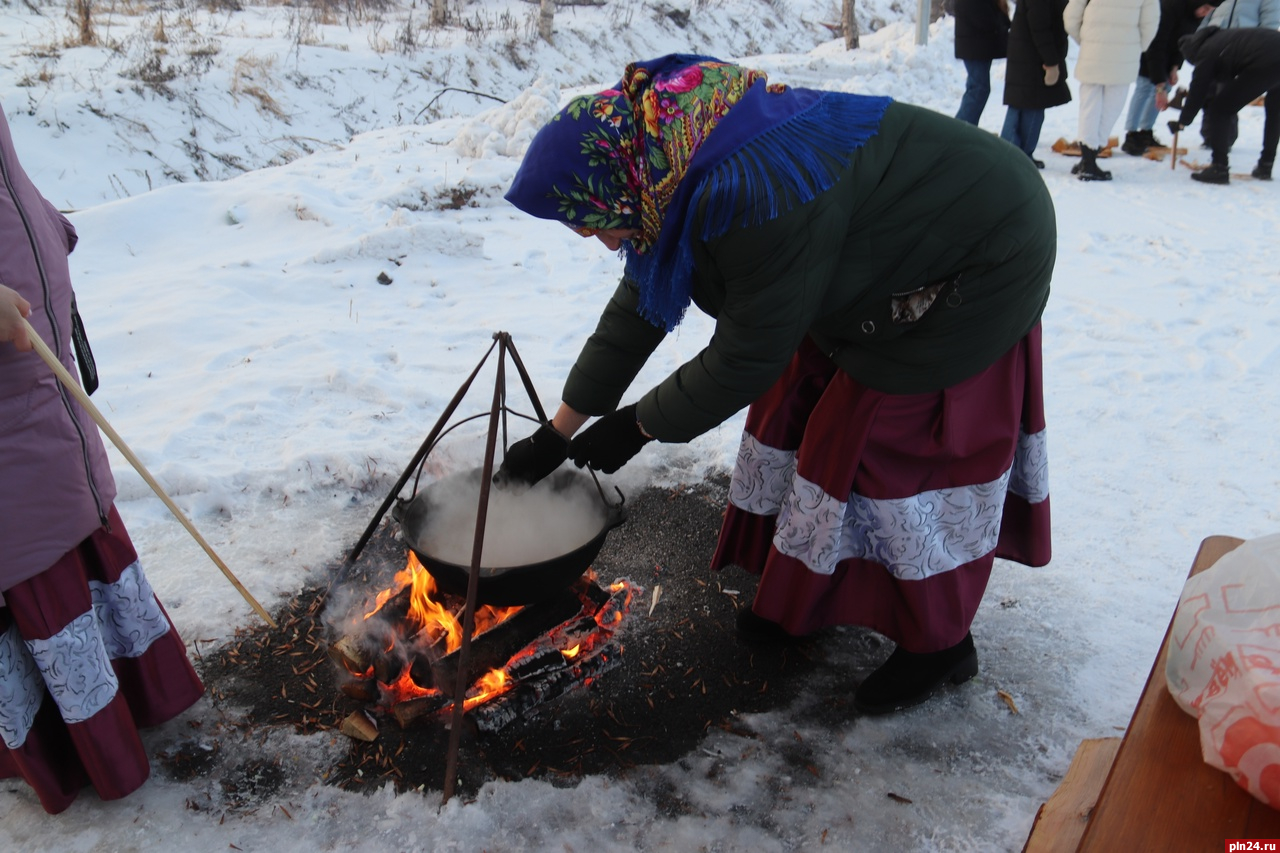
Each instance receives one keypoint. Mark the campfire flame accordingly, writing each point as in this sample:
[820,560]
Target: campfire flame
[492,684]
[429,616]
[415,626]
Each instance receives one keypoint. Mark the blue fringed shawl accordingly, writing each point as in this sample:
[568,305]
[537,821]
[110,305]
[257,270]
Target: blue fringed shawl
[781,149]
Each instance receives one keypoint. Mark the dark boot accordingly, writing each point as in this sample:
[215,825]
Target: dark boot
[1216,173]
[1135,143]
[908,678]
[755,630]
[1153,141]
[1262,171]
[1089,170]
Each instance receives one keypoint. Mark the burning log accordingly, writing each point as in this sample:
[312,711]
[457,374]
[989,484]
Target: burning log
[346,653]
[495,647]
[529,694]
[359,726]
[400,657]
[364,689]
[410,711]
[387,669]
[543,672]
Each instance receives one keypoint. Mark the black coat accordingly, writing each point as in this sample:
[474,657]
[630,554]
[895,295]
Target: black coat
[1177,19]
[1037,38]
[982,30]
[1222,56]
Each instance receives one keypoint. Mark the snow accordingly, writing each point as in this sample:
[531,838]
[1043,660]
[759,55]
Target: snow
[234,220]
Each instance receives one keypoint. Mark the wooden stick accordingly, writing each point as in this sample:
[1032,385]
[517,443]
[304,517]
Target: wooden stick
[83,398]
[1173,155]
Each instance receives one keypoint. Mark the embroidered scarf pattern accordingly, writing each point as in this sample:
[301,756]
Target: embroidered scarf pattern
[677,111]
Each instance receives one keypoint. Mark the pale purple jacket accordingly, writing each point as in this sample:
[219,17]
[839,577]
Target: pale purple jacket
[55,482]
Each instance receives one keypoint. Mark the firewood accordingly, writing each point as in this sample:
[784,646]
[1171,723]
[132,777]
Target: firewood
[387,669]
[493,715]
[346,652]
[495,647]
[410,711]
[359,726]
[364,689]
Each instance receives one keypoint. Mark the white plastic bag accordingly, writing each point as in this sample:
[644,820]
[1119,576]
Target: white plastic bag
[1224,664]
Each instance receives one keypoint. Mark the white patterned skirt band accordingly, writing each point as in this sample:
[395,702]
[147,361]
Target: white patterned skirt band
[74,665]
[914,537]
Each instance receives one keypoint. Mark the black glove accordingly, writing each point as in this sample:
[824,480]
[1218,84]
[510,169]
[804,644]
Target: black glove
[1175,126]
[532,458]
[610,442]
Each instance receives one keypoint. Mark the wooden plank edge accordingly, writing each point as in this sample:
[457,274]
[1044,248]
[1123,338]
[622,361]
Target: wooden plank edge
[1061,821]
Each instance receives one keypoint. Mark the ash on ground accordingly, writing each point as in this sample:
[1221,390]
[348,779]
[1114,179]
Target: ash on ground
[684,671]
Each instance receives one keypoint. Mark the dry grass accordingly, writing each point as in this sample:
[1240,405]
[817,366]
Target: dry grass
[82,13]
[249,78]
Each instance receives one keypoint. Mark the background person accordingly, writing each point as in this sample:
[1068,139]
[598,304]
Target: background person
[1232,69]
[1112,35]
[87,653]
[1035,76]
[1158,72]
[1230,15]
[877,273]
[982,35]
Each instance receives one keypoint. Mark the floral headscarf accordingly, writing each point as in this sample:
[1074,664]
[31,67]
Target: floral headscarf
[636,155]
[622,152]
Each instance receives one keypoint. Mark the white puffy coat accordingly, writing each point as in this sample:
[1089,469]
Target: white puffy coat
[1112,35]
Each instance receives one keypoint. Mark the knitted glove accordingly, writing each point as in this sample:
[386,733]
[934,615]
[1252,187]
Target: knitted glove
[532,458]
[1175,126]
[610,442]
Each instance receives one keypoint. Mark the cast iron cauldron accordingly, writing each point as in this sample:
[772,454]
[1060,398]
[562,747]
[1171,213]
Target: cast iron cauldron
[508,586]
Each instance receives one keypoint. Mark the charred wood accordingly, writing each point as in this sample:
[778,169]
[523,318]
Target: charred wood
[527,695]
[364,689]
[410,711]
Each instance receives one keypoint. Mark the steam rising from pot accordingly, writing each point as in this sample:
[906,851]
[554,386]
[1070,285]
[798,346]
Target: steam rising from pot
[523,524]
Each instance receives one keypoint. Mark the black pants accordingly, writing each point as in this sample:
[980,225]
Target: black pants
[1221,121]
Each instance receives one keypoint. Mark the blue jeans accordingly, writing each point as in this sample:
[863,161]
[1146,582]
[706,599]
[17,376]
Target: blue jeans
[1022,128]
[1142,106]
[977,88]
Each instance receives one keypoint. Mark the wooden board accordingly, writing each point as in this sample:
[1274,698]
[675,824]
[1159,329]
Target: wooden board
[1072,149]
[1159,152]
[1061,821]
[1160,794]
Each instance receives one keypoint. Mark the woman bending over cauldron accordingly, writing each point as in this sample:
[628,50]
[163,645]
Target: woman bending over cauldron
[87,654]
[877,272]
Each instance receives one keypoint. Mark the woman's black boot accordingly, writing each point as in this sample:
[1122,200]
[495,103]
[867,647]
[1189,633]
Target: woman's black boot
[1262,171]
[754,629]
[908,678]
[1089,170]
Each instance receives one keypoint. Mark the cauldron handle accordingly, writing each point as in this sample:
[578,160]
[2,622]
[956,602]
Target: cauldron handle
[622,499]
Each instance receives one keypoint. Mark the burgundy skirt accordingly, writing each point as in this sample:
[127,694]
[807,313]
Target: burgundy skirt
[87,657]
[858,507]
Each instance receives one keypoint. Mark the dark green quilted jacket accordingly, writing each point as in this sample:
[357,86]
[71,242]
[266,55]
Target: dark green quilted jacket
[926,261]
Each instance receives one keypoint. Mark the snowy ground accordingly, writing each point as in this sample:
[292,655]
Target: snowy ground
[253,361]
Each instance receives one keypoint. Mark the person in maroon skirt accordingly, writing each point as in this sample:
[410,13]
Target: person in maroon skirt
[88,655]
[877,272]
